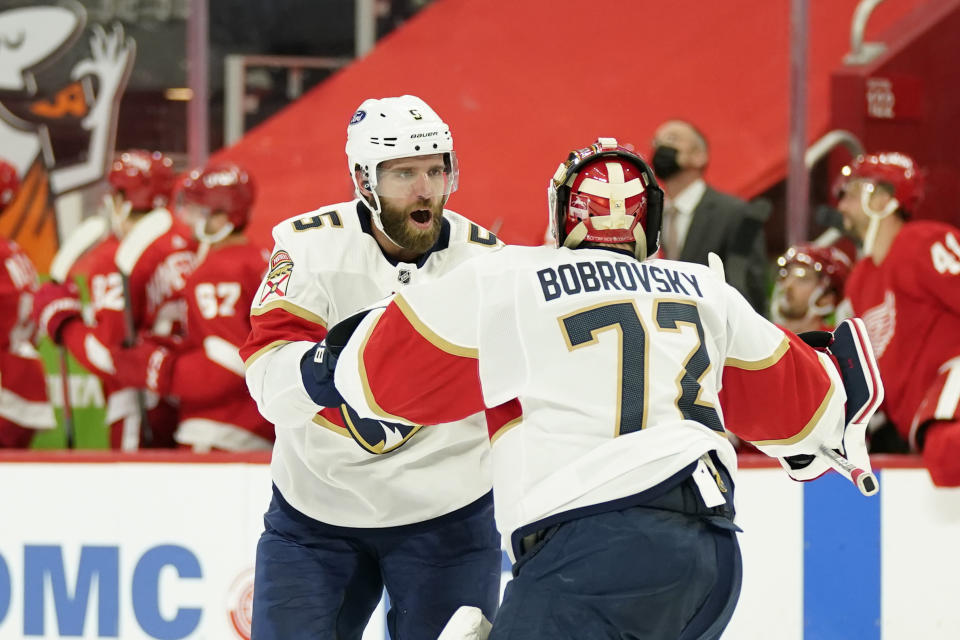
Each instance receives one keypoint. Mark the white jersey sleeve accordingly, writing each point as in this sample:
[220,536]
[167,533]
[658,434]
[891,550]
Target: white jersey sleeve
[288,315]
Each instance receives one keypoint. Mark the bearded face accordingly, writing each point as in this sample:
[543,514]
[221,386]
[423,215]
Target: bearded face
[414,226]
[412,193]
[796,285]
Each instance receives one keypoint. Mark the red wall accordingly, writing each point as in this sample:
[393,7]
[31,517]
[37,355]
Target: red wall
[521,83]
[916,101]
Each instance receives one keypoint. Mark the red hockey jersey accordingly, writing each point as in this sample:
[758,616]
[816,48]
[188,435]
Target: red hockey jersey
[910,304]
[156,283]
[216,409]
[23,394]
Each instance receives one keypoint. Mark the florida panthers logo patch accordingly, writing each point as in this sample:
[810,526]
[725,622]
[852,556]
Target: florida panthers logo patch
[281,266]
[377,436]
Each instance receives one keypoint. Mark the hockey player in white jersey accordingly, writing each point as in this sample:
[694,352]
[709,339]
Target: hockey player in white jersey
[613,479]
[409,509]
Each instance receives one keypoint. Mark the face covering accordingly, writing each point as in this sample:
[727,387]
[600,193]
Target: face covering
[665,162]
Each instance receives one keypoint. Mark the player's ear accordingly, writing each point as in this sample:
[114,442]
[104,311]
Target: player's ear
[362,182]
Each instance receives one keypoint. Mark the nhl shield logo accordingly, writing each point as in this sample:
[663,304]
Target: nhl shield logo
[404,276]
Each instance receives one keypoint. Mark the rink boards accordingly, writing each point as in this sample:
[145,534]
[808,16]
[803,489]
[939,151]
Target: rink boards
[115,548]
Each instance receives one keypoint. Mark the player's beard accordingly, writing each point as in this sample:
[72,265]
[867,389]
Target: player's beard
[398,225]
[792,312]
[790,307]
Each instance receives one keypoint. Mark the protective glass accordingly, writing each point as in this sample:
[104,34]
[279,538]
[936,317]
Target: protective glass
[419,177]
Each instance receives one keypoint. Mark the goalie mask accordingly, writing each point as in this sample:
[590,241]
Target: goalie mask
[217,188]
[605,194]
[391,128]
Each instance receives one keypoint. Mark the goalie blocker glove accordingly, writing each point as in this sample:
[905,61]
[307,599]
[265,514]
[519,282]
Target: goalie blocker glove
[849,349]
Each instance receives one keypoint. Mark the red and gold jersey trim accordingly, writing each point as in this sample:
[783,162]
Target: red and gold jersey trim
[290,308]
[259,352]
[763,363]
[430,335]
[811,424]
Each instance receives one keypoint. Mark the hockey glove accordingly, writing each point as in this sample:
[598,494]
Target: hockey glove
[849,348]
[147,365]
[317,367]
[54,305]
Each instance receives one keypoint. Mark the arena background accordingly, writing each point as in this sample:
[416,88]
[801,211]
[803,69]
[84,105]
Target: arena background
[520,83]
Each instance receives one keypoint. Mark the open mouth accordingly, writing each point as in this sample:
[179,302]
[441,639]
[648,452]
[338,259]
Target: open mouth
[421,218]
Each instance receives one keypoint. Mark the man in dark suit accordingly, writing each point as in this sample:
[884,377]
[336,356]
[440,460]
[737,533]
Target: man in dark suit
[698,219]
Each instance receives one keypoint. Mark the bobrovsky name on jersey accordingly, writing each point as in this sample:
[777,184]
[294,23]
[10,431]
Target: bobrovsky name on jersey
[105,573]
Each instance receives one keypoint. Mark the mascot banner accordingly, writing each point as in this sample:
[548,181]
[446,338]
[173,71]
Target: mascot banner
[60,88]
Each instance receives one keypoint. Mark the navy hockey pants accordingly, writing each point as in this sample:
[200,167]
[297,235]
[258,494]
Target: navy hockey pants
[320,582]
[641,573]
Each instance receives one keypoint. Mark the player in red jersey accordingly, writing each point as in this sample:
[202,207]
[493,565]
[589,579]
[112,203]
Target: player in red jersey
[23,390]
[205,371]
[809,286]
[907,290]
[161,254]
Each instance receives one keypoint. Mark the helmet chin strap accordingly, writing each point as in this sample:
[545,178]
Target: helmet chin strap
[118,215]
[207,239]
[813,309]
[200,230]
[375,208]
[870,237]
[775,299]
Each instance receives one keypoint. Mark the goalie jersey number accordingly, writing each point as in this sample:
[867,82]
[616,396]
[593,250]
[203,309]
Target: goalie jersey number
[580,330]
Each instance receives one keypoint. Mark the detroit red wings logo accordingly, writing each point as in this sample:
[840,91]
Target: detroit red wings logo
[281,266]
[881,323]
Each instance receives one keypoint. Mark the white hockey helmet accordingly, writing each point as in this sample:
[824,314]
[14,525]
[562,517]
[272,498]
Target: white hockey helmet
[389,128]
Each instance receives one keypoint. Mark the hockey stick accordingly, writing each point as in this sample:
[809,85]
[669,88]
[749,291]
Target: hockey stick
[144,233]
[80,241]
[865,481]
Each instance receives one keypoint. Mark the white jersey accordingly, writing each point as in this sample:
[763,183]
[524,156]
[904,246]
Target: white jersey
[610,370]
[326,265]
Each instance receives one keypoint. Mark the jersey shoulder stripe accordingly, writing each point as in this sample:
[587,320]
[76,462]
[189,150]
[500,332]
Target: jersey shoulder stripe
[464,231]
